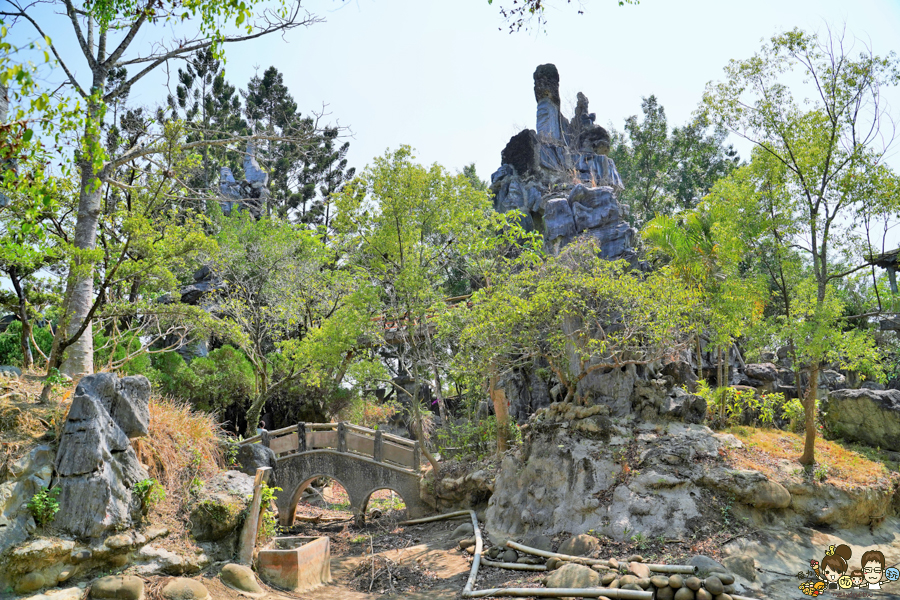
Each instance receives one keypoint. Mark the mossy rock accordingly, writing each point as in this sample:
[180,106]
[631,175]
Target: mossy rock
[216,517]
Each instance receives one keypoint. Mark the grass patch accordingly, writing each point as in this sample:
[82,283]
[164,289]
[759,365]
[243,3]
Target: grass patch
[841,464]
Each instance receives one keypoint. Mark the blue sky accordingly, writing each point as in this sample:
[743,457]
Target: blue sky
[448,79]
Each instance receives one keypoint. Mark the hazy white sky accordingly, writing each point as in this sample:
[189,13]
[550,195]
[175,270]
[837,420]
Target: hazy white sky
[447,78]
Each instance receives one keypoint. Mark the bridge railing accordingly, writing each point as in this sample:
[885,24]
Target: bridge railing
[342,437]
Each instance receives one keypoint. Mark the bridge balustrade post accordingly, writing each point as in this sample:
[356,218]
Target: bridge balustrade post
[264,438]
[301,437]
[342,437]
[378,454]
[416,457]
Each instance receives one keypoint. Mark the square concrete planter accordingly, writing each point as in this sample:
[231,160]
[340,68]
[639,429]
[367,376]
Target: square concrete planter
[296,563]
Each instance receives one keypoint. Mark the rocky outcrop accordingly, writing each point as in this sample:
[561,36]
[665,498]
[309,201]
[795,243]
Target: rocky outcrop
[29,475]
[868,416]
[96,466]
[251,194]
[561,178]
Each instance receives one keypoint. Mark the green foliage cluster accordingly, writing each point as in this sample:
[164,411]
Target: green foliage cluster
[475,438]
[43,506]
[268,523]
[11,349]
[728,406]
[150,493]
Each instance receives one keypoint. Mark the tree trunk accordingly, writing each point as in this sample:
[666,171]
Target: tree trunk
[79,356]
[501,411]
[699,357]
[809,405]
[720,380]
[420,430]
[27,357]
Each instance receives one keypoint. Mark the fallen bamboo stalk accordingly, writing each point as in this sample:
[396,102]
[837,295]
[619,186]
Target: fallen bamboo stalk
[453,515]
[513,566]
[566,557]
[616,593]
[679,569]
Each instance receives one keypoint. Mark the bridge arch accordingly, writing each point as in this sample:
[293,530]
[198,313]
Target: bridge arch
[360,476]
[365,502]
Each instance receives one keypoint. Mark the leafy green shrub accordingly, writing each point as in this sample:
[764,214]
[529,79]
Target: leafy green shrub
[109,350]
[11,349]
[739,405]
[44,505]
[149,492]
[268,524]
[212,382]
[476,436]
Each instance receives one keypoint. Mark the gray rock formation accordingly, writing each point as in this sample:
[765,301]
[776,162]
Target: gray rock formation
[218,511]
[29,475]
[96,466]
[868,416]
[251,457]
[251,193]
[560,178]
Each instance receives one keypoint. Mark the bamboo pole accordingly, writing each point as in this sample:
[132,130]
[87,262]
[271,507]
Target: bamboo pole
[566,557]
[453,515]
[679,569]
[616,593]
[513,566]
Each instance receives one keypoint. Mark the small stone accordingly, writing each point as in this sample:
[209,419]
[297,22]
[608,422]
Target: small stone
[240,578]
[493,551]
[510,556]
[573,576]
[704,594]
[182,588]
[470,550]
[127,587]
[607,578]
[627,579]
[643,583]
[639,569]
[728,578]
[117,542]
[158,532]
[659,581]
[714,585]
[676,581]
[80,555]
[31,582]
[613,564]
[464,530]
[693,583]
[665,593]
[553,564]
[631,586]
[580,545]
[684,594]
[723,596]
[463,544]
[729,588]
[705,564]
[636,558]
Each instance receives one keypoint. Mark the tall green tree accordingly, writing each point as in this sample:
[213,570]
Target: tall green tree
[211,108]
[409,223]
[112,34]
[825,141]
[668,171]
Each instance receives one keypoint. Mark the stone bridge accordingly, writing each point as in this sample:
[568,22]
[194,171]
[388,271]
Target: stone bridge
[362,460]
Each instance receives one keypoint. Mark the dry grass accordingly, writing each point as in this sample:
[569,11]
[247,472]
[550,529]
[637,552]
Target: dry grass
[766,450]
[182,444]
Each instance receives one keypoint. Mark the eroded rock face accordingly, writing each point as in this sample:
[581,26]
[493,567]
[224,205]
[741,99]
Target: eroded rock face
[561,178]
[868,416]
[95,464]
[30,474]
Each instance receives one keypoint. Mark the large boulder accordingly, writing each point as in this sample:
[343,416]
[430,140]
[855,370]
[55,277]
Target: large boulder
[95,464]
[251,457]
[218,511]
[868,416]
[571,575]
